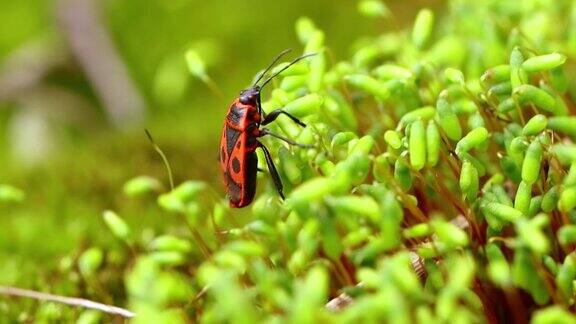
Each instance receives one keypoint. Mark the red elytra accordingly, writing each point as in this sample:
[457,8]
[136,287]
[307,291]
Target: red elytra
[238,160]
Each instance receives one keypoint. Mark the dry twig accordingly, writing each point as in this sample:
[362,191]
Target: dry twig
[73,301]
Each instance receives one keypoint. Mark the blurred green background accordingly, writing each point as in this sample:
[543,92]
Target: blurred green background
[81,79]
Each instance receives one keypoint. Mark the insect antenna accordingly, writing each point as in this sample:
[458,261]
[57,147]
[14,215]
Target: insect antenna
[284,52]
[296,60]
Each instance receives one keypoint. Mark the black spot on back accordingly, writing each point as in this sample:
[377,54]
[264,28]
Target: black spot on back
[235,165]
[231,138]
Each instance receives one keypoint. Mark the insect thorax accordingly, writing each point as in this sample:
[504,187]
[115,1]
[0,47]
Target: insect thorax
[243,117]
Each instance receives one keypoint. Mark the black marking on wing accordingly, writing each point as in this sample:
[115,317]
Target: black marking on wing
[231,139]
[235,165]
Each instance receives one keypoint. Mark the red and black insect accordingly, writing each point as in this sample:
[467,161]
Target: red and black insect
[238,160]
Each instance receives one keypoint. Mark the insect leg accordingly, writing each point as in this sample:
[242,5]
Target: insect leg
[272,169]
[275,113]
[266,131]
